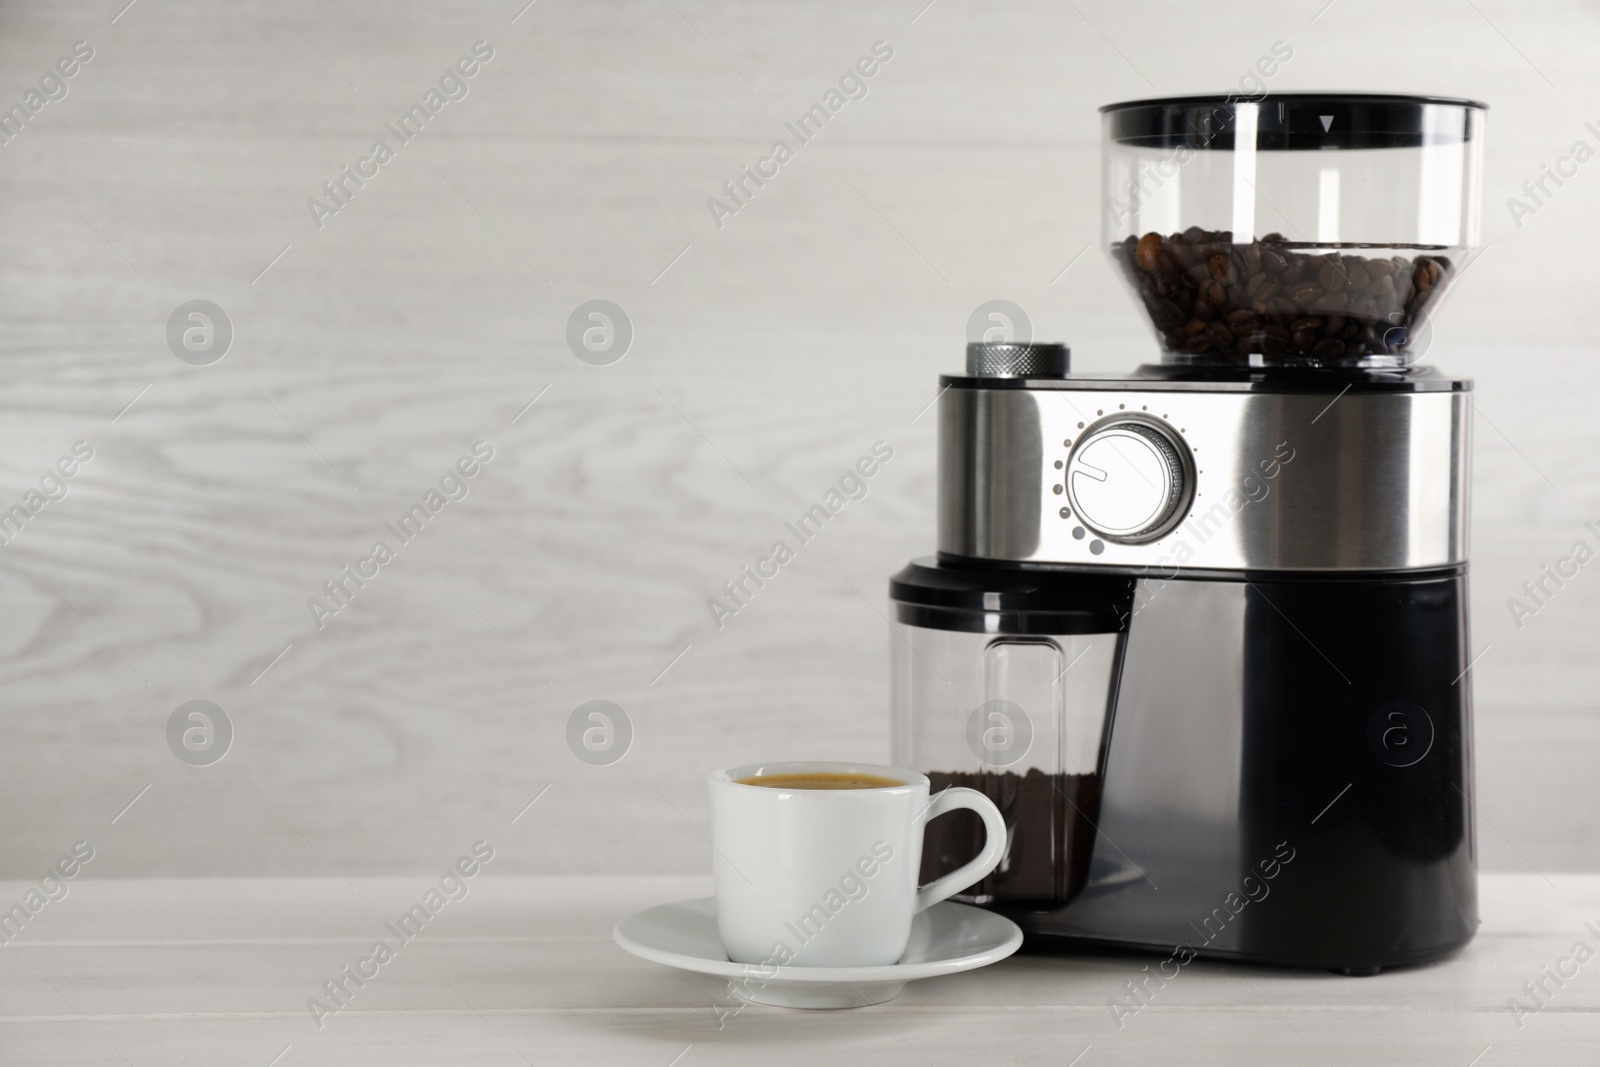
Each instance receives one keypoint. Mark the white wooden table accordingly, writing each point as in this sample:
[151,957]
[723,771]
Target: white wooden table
[524,970]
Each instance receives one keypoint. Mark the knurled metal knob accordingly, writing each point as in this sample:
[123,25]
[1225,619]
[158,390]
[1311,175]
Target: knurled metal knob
[1017,359]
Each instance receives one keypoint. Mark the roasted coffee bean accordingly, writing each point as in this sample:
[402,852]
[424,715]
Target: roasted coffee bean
[1207,296]
[1148,251]
[1249,258]
[1333,277]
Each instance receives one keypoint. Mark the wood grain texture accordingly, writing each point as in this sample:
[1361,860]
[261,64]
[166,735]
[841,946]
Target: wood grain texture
[428,312]
[202,970]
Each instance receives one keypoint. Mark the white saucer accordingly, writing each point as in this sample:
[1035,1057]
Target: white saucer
[946,939]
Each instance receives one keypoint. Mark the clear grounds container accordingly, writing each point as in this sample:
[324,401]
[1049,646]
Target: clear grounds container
[1003,682]
[1300,229]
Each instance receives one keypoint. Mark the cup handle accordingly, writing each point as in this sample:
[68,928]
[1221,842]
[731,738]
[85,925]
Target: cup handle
[994,844]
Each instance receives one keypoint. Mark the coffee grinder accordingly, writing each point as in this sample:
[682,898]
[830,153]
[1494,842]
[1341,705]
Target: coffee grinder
[1201,630]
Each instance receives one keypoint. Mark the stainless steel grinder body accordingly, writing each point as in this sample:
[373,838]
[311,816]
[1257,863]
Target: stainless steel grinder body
[1287,768]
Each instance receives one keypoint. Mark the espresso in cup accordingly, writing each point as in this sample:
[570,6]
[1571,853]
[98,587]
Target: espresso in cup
[815,864]
[821,780]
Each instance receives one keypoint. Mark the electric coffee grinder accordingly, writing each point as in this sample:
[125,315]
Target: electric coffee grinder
[1201,630]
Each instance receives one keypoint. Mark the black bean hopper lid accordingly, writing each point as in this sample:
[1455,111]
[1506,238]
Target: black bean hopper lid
[1298,121]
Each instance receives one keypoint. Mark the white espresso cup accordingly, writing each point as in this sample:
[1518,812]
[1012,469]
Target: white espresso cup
[828,877]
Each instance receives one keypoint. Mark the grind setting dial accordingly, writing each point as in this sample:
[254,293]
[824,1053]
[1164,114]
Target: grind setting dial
[1127,479]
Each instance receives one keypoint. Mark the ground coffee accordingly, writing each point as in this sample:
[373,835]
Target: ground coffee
[1050,819]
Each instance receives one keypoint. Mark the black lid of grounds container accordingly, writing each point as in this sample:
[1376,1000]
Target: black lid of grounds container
[939,595]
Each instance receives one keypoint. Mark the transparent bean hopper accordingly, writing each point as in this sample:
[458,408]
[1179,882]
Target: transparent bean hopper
[1312,230]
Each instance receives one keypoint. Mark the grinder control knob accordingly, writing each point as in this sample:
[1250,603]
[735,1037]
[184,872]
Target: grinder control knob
[1127,480]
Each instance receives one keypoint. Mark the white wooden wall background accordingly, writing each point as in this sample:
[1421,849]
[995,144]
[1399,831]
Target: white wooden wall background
[769,356]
